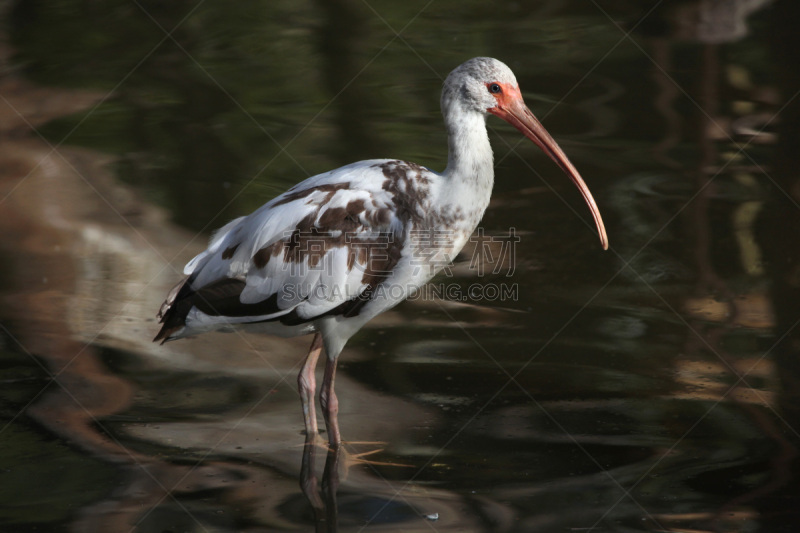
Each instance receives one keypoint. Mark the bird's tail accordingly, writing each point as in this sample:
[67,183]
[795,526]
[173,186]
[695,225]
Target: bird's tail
[174,310]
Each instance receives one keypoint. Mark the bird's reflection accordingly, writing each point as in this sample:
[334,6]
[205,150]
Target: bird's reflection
[322,501]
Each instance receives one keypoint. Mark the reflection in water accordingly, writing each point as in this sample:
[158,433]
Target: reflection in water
[323,502]
[663,399]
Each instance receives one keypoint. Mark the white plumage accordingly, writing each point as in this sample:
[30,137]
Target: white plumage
[341,247]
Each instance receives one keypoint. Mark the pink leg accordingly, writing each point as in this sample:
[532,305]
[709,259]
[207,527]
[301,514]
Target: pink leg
[307,384]
[330,404]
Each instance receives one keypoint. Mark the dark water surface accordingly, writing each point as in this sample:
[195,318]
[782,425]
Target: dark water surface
[554,387]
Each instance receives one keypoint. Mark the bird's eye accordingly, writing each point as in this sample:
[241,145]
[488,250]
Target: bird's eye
[494,88]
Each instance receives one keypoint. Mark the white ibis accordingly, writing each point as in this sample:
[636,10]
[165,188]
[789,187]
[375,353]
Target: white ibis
[341,247]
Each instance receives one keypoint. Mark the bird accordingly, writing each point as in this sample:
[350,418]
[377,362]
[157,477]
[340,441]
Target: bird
[341,247]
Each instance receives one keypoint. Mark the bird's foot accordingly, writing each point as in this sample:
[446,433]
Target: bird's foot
[352,458]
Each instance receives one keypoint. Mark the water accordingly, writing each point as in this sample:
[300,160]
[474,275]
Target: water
[561,388]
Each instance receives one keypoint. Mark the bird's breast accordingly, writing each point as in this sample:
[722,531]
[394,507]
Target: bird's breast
[435,240]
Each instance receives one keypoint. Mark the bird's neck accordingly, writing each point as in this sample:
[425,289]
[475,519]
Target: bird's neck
[470,154]
[470,164]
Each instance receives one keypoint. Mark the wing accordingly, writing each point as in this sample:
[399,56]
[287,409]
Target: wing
[319,249]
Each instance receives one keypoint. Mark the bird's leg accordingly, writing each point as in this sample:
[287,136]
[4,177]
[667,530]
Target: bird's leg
[330,404]
[307,385]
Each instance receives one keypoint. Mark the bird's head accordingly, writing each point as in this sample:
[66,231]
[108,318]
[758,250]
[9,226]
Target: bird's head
[477,85]
[487,86]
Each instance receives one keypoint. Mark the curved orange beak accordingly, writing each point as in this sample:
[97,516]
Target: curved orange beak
[511,108]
